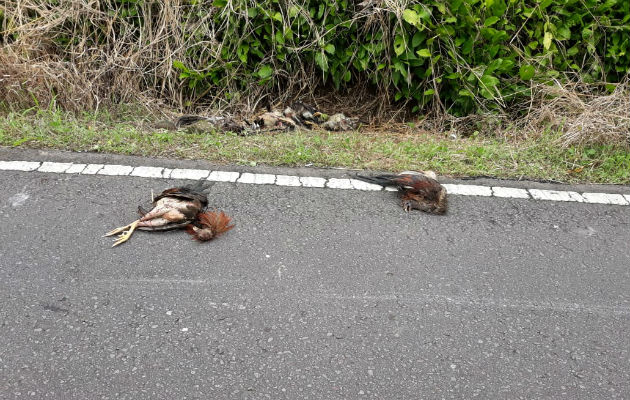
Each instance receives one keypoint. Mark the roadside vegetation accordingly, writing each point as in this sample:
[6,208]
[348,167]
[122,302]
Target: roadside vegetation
[514,89]
[400,147]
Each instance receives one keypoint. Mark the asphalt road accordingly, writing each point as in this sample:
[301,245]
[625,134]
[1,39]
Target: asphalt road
[316,294]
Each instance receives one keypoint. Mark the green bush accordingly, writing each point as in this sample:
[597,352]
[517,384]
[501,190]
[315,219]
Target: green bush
[458,55]
[464,54]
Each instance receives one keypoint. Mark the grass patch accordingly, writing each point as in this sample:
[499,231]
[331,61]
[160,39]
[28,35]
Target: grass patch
[533,158]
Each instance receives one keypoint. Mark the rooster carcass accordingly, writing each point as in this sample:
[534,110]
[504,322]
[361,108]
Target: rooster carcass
[180,207]
[418,190]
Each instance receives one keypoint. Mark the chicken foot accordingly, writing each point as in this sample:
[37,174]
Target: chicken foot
[126,230]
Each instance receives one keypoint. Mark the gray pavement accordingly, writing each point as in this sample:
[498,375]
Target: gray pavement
[316,294]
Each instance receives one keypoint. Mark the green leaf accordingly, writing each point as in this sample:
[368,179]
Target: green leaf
[279,38]
[424,53]
[467,46]
[293,11]
[322,61]
[429,92]
[490,81]
[252,12]
[547,40]
[179,65]
[417,38]
[320,10]
[563,33]
[494,65]
[265,71]
[527,72]
[242,51]
[411,16]
[330,48]
[491,21]
[399,45]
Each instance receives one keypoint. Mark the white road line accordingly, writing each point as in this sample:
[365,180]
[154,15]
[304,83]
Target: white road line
[514,193]
[76,168]
[361,185]
[166,173]
[223,176]
[605,198]
[54,167]
[92,169]
[19,165]
[287,180]
[147,172]
[304,181]
[468,190]
[312,181]
[336,183]
[194,174]
[115,170]
[555,195]
[257,179]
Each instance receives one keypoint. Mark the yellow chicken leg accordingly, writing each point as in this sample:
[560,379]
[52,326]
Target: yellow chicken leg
[118,230]
[127,231]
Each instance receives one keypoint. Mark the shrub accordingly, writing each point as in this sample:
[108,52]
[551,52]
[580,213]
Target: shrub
[458,56]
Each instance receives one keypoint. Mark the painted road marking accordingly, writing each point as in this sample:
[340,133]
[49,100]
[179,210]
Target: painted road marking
[75,168]
[305,181]
[147,172]
[19,165]
[193,174]
[336,183]
[223,176]
[468,190]
[111,169]
[555,195]
[287,180]
[92,169]
[313,181]
[54,167]
[361,185]
[257,179]
[514,193]
[605,198]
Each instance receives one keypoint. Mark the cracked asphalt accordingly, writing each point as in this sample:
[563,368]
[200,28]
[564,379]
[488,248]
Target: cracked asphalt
[316,294]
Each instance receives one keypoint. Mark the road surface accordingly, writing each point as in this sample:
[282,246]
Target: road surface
[316,294]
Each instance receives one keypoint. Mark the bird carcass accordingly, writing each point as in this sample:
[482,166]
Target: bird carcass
[178,208]
[417,190]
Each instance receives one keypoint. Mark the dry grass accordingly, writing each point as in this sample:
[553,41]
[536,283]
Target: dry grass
[582,114]
[107,60]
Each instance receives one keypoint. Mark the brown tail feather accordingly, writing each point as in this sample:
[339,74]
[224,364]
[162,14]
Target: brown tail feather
[209,225]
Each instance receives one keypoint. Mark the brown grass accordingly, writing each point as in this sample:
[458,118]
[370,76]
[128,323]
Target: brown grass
[582,112]
[108,60]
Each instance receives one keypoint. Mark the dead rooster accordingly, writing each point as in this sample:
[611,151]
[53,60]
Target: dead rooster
[417,190]
[178,208]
